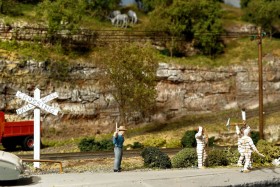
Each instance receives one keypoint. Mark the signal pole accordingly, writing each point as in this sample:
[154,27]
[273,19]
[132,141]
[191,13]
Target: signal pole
[260,83]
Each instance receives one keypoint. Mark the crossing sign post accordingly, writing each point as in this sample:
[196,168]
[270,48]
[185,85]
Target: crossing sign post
[36,103]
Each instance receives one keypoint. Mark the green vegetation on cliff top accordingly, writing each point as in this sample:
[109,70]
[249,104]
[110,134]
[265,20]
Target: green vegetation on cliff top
[236,51]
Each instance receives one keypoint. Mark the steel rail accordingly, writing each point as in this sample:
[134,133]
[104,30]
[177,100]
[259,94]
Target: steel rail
[92,155]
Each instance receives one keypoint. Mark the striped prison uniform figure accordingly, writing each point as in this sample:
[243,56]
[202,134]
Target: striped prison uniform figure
[247,147]
[201,141]
[240,133]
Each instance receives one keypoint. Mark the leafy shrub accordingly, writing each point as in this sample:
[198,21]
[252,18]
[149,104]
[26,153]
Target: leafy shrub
[59,70]
[154,142]
[211,141]
[153,157]
[10,7]
[89,144]
[105,144]
[187,157]
[188,140]
[136,145]
[255,135]
[269,150]
[86,144]
[217,157]
[100,8]
[232,155]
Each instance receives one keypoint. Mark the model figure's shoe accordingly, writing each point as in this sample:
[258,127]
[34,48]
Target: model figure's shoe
[245,171]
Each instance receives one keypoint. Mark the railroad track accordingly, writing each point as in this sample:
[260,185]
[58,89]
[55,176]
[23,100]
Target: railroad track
[92,155]
[101,154]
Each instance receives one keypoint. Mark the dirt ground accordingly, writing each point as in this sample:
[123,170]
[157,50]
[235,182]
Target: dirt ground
[89,165]
[80,166]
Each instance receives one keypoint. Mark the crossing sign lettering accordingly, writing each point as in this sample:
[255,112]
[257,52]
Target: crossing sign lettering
[36,103]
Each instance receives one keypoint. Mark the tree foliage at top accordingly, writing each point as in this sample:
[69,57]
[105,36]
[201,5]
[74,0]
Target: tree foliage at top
[68,14]
[9,7]
[198,20]
[150,5]
[208,27]
[29,1]
[62,14]
[263,13]
[101,8]
[244,3]
[131,70]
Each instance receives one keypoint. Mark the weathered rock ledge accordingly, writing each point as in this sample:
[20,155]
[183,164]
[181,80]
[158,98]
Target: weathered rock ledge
[181,90]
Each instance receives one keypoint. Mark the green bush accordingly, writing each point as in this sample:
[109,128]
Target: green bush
[211,141]
[86,144]
[187,157]
[154,158]
[255,135]
[59,70]
[188,140]
[269,150]
[136,145]
[105,144]
[89,144]
[10,7]
[232,155]
[217,157]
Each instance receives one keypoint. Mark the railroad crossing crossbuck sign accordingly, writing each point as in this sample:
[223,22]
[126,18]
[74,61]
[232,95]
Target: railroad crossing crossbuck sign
[36,103]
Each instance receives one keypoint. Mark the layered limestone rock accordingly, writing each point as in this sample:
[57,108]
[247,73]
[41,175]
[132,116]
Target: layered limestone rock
[181,90]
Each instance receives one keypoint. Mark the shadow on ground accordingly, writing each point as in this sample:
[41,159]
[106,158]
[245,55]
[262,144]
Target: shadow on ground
[21,182]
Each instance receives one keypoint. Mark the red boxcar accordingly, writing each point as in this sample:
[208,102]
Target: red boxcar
[16,133]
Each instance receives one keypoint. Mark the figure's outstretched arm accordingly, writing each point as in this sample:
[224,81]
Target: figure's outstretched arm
[199,133]
[253,147]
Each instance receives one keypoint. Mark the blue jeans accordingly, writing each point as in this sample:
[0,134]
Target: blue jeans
[118,158]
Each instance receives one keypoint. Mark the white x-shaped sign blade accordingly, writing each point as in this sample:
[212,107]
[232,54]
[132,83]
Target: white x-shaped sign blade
[36,103]
[30,106]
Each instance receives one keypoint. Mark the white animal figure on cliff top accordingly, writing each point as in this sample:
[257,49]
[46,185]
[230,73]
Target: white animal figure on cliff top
[121,19]
[132,15]
[115,13]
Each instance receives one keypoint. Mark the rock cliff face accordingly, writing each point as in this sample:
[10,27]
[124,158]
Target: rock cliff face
[186,89]
[181,90]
